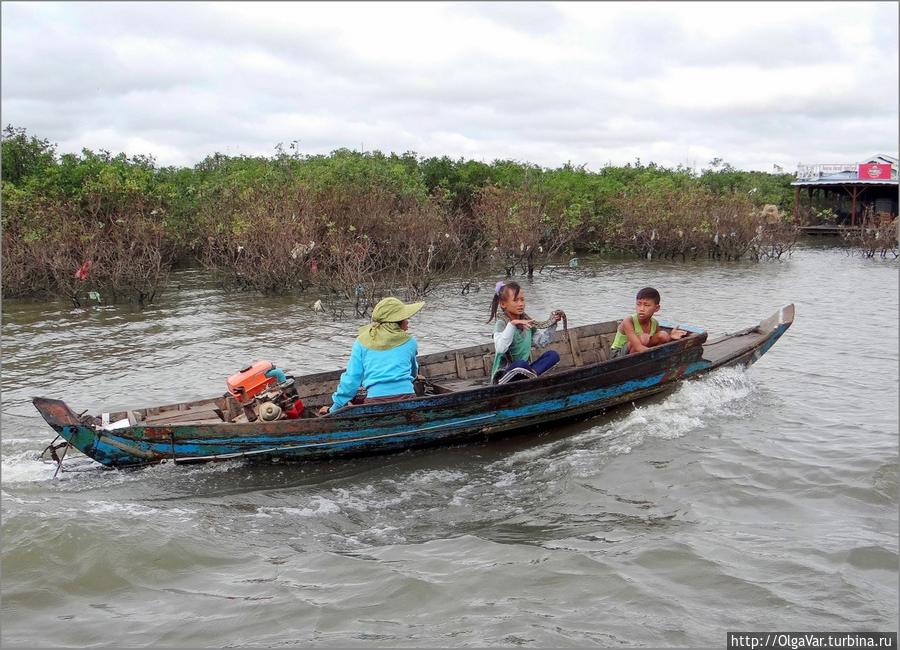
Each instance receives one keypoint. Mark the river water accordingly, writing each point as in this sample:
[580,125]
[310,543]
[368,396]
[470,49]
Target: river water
[757,500]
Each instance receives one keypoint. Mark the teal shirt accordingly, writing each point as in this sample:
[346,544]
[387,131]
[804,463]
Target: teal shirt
[381,372]
[519,349]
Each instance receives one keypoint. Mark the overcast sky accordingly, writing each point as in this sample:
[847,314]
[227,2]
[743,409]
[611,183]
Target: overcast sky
[677,83]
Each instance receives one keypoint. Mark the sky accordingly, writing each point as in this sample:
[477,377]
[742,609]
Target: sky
[758,84]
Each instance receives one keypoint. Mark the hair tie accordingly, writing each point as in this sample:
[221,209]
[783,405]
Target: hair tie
[499,287]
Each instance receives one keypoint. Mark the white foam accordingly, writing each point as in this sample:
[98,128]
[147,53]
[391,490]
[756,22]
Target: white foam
[436,477]
[137,510]
[25,467]
[215,467]
[319,506]
[384,534]
[506,479]
[688,409]
[694,403]
[364,501]
[10,498]
[462,495]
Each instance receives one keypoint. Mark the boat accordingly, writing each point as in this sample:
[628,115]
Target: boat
[455,402]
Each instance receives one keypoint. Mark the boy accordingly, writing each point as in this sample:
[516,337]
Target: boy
[638,332]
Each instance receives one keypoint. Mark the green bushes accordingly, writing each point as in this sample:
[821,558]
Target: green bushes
[24,157]
[349,222]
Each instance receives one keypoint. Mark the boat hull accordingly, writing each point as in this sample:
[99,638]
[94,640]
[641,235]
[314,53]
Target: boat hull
[442,419]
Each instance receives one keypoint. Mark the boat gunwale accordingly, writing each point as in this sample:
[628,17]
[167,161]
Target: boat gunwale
[433,401]
[356,411]
[153,434]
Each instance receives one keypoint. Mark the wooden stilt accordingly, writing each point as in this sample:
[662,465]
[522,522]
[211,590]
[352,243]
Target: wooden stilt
[854,192]
[860,193]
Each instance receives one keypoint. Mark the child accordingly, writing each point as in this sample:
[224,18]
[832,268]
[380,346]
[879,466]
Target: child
[514,333]
[638,332]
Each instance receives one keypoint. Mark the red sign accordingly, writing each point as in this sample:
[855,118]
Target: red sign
[874,171]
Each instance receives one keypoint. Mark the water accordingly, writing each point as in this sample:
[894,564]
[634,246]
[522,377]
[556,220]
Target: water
[758,500]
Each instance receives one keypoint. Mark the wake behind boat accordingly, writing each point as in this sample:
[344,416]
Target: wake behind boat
[455,402]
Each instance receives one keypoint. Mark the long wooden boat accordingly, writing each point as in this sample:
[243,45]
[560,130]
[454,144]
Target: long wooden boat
[457,404]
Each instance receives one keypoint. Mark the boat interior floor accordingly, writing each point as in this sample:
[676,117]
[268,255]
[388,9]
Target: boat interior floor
[731,345]
[458,385]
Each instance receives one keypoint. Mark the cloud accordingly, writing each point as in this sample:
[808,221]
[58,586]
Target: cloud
[530,17]
[593,83]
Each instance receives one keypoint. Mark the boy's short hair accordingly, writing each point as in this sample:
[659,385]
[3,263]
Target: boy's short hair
[648,293]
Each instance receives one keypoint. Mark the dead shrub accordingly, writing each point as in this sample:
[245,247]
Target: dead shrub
[875,238]
[519,228]
[127,246]
[694,223]
[355,243]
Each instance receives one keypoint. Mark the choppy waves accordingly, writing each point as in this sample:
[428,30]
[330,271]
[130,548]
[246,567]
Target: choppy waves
[742,500]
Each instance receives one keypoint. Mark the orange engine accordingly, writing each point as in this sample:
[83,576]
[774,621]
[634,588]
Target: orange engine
[250,381]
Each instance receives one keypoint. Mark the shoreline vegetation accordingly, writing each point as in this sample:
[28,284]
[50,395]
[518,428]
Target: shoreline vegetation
[357,224]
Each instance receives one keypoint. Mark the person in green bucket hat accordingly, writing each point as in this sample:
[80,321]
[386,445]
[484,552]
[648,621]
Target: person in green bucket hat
[383,357]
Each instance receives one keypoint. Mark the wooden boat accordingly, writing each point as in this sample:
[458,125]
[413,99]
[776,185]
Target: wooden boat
[457,403]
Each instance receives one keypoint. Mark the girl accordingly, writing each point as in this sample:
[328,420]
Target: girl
[383,358]
[515,331]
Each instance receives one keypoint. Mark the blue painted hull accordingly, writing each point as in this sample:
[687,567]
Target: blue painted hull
[424,421]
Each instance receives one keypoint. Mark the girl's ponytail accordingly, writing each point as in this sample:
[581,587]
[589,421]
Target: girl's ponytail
[494,304]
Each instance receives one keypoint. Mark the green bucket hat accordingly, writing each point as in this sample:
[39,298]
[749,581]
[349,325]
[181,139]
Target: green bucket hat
[384,333]
[392,310]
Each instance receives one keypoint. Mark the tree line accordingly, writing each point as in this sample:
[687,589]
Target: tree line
[356,223]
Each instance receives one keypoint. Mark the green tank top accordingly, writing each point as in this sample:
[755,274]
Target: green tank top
[621,340]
